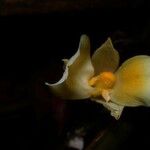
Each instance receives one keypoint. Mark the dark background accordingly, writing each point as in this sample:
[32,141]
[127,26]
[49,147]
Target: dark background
[35,36]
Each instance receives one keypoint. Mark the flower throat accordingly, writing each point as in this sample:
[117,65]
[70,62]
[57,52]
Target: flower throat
[103,83]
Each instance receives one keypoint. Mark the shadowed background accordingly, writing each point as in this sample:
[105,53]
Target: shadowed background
[35,36]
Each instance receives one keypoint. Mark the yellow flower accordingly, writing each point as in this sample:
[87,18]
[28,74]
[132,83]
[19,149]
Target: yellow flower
[97,78]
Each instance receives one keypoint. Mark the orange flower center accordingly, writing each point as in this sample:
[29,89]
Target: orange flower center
[103,83]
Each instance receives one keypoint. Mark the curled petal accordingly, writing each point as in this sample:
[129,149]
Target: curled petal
[115,109]
[105,58]
[79,69]
[133,82]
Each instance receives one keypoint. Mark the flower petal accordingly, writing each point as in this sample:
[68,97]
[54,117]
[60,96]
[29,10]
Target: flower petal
[79,69]
[133,82]
[115,109]
[105,58]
